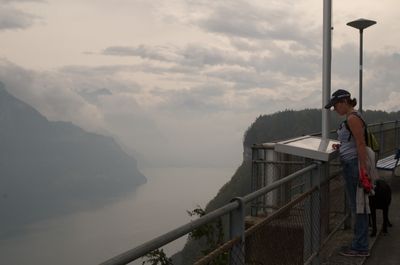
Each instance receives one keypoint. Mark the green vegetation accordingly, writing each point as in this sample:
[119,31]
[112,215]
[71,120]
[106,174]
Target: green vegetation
[212,232]
[289,123]
[157,257]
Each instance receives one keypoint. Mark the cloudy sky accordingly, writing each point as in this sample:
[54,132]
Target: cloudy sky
[180,81]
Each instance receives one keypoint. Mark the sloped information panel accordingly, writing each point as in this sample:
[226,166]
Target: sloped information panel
[310,147]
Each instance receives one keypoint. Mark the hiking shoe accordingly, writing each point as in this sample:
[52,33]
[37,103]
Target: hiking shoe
[354,253]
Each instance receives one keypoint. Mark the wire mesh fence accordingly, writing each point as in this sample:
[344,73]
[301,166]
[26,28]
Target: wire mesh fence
[337,201]
[229,253]
[388,135]
[282,228]
[267,167]
[285,235]
[278,238]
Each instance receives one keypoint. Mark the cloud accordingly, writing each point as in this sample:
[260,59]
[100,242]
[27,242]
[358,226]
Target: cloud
[391,104]
[216,66]
[345,61]
[101,78]
[51,93]
[245,78]
[228,64]
[93,95]
[242,19]
[194,55]
[19,1]
[201,100]
[151,122]
[11,18]
[90,99]
[381,81]
[251,36]
[159,53]
[256,20]
[380,77]
[198,56]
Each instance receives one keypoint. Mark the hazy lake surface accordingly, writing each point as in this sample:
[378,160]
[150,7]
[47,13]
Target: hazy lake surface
[93,236]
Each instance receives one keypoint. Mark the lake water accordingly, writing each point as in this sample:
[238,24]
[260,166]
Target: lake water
[93,236]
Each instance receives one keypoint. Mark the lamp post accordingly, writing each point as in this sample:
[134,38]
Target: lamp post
[326,65]
[361,24]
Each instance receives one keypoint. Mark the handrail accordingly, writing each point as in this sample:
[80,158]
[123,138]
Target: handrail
[252,196]
[383,123]
[164,239]
[168,237]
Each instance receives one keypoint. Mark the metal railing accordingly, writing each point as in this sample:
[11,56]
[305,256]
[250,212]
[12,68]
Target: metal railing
[235,210]
[292,231]
[388,135]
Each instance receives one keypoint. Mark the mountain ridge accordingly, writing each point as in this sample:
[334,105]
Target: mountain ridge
[49,168]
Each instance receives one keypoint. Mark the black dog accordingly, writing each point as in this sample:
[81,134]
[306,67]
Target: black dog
[381,200]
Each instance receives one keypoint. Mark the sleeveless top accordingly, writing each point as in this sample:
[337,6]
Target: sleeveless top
[348,147]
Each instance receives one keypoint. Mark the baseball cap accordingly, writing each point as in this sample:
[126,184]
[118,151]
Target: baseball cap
[337,96]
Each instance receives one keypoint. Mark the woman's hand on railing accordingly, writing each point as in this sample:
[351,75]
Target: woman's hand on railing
[336,146]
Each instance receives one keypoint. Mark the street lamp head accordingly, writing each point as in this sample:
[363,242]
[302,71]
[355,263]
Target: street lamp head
[361,23]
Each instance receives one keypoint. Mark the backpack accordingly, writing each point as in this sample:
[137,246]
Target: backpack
[370,139]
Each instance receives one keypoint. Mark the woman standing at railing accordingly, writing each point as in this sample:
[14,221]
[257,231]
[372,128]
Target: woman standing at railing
[353,157]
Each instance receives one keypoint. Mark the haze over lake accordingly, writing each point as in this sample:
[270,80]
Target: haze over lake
[92,236]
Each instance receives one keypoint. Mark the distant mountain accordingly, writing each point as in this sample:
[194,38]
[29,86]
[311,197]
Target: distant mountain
[49,168]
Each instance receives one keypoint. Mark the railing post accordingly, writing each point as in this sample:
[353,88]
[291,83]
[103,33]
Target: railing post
[312,225]
[254,178]
[237,229]
[381,141]
[263,174]
[324,199]
[271,198]
[257,178]
[396,134]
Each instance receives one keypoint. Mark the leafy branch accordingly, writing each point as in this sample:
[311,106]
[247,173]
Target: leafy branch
[213,233]
[157,257]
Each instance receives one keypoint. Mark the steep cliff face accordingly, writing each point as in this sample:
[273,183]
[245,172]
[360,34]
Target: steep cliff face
[49,168]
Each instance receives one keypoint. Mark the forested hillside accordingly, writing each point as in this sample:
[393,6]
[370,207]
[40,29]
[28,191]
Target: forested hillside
[290,123]
[270,128]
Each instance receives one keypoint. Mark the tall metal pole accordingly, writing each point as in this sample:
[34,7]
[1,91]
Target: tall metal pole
[326,65]
[361,24]
[361,70]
